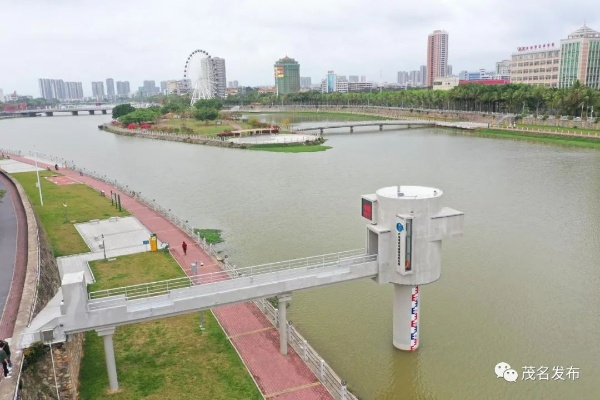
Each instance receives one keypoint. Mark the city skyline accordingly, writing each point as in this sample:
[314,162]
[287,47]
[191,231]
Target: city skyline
[397,42]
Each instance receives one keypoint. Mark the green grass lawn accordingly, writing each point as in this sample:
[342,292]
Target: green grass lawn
[169,358]
[558,128]
[199,127]
[83,204]
[134,269]
[318,115]
[291,149]
[573,141]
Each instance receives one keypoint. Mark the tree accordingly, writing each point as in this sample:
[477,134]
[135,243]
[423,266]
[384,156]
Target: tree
[208,103]
[138,116]
[205,114]
[2,193]
[122,109]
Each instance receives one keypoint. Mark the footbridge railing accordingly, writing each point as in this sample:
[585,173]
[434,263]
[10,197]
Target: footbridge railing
[159,288]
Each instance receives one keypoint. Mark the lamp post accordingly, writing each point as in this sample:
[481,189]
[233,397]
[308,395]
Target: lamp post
[103,247]
[39,185]
[66,212]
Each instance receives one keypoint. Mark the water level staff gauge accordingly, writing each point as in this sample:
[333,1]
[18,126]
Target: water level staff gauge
[406,226]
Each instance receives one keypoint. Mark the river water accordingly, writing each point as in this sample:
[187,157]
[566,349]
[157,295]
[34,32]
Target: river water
[521,286]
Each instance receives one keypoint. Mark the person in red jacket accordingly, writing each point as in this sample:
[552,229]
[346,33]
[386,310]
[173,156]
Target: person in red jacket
[184,247]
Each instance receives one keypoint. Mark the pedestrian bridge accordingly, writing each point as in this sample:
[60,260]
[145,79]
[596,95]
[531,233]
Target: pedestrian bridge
[49,112]
[81,311]
[408,123]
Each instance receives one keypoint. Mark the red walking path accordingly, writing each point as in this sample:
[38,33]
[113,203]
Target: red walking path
[252,334]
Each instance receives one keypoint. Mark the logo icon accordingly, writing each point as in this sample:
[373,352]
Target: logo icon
[399,227]
[503,370]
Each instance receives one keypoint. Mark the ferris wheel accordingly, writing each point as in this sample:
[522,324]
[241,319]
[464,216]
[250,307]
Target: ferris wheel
[200,73]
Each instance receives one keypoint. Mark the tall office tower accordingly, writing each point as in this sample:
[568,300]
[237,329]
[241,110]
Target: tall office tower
[449,70]
[503,69]
[363,78]
[150,88]
[236,84]
[123,89]
[73,90]
[353,78]
[98,90]
[1,96]
[110,88]
[163,87]
[580,58]
[218,68]
[287,75]
[423,73]
[305,82]
[437,56]
[402,78]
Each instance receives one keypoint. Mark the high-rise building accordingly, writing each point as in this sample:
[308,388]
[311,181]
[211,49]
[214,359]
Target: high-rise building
[402,78]
[1,95]
[363,78]
[535,65]
[580,58]
[353,78]
[110,88]
[163,87]
[98,90]
[218,68]
[287,75]
[449,70]
[53,89]
[123,89]
[423,73]
[503,69]
[437,56]
[73,90]
[305,82]
[149,88]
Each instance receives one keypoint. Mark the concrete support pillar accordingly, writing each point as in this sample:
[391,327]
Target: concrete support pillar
[91,112]
[104,112]
[406,317]
[282,317]
[321,131]
[380,127]
[75,112]
[49,114]
[351,129]
[109,354]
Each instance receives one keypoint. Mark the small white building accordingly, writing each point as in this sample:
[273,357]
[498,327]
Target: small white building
[445,83]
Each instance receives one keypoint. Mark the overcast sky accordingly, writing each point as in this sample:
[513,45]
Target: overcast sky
[136,40]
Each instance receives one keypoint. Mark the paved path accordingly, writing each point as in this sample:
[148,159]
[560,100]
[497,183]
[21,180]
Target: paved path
[13,262]
[254,337]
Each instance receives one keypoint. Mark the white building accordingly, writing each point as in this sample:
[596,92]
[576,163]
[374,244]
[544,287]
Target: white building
[445,83]
[503,69]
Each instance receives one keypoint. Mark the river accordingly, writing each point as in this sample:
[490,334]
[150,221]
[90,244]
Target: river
[521,286]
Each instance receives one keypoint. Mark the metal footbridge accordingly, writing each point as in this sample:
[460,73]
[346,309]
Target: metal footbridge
[408,123]
[131,304]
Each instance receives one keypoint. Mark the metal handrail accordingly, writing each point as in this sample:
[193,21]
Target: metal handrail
[164,287]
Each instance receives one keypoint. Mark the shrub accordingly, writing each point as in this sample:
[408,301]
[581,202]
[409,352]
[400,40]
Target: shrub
[34,353]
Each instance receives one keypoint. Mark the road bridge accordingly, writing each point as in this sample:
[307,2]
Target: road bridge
[49,112]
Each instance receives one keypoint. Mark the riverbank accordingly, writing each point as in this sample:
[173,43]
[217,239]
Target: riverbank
[573,139]
[285,143]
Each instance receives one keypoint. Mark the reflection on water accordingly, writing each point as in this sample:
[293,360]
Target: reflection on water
[521,285]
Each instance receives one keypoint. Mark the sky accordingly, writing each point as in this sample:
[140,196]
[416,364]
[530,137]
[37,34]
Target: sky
[136,40]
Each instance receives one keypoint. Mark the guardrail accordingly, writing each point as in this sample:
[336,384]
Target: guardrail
[145,290]
[326,375]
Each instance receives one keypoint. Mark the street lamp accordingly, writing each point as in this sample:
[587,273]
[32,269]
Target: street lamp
[39,185]
[66,212]
[103,247]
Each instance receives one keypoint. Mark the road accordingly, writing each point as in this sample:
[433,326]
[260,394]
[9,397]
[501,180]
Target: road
[8,242]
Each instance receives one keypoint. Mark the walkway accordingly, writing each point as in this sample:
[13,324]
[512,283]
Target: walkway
[253,336]
[13,236]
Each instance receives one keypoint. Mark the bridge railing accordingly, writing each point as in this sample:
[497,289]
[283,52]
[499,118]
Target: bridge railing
[326,375]
[145,290]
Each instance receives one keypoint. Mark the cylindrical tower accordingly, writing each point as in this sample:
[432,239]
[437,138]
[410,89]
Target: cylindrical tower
[407,226]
